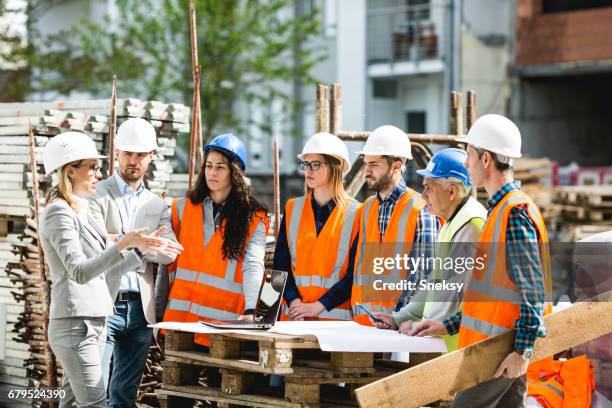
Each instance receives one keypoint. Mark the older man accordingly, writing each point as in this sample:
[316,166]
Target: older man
[515,276]
[447,194]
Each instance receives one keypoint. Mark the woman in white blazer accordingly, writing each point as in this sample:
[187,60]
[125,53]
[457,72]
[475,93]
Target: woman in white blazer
[81,262]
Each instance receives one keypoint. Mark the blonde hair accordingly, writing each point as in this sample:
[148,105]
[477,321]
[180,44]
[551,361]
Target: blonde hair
[63,189]
[334,178]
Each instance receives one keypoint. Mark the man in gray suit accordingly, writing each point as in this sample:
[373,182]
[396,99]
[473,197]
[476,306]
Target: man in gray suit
[122,203]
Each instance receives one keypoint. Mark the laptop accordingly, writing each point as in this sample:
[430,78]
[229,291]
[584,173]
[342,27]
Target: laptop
[268,305]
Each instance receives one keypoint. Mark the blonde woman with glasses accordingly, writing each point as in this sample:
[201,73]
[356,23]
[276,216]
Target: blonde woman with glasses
[81,261]
[318,235]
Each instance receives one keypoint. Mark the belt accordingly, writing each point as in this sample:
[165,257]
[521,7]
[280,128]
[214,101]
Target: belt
[125,296]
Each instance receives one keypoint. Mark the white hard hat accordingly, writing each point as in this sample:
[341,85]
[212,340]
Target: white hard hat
[388,141]
[497,134]
[67,148]
[136,135]
[326,143]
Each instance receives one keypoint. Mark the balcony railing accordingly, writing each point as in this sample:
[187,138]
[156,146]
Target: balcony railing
[402,34]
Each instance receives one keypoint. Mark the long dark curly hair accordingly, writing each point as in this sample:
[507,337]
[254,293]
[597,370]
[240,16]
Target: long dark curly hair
[241,204]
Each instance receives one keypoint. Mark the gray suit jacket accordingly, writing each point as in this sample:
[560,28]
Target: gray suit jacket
[80,263]
[109,212]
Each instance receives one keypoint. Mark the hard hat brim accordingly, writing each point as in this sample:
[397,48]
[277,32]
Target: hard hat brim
[369,153]
[135,149]
[466,141]
[426,173]
[100,156]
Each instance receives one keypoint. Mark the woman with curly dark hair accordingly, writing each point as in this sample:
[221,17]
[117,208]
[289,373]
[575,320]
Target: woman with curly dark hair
[223,229]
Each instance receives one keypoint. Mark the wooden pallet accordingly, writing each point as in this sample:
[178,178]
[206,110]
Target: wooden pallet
[588,196]
[247,360]
[580,213]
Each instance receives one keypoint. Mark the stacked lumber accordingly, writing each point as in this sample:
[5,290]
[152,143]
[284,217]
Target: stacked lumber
[21,286]
[535,175]
[583,210]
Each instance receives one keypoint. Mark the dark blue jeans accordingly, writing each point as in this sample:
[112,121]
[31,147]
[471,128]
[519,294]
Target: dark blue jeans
[127,341]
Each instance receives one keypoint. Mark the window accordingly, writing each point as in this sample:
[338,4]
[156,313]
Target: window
[384,89]
[415,122]
[417,10]
[559,6]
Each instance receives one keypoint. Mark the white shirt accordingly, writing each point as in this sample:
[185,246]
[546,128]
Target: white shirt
[129,281]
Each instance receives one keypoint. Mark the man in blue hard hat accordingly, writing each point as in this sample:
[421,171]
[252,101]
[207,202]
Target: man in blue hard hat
[446,191]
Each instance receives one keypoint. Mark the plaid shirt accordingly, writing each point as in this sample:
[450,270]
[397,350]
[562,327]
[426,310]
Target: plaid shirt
[523,258]
[425,235]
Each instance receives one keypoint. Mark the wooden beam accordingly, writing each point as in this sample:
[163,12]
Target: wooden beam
[418,137]
[456,114]
[335,114]
[277,209]
[477,363]
[112,128]
[195,119]
[470,109]
[322,124]
[51,365]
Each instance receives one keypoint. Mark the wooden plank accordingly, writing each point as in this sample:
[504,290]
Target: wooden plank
[209,394]
[268,398]
[477,363]
[204,359]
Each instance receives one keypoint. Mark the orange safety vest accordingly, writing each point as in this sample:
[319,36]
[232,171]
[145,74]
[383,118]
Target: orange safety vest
[400,230]
[491,303]
[205,285]
[562,384]
[319,262]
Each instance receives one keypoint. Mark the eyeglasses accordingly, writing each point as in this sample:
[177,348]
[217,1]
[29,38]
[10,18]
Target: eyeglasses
[313,165]
[95,167]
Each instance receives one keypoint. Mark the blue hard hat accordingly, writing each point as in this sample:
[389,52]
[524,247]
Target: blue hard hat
[232,146]
[447,163]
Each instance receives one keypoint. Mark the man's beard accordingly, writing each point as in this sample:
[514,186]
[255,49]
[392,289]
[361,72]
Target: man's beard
[383,183]
[129,176]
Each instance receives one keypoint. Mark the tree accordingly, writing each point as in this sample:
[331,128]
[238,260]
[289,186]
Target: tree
[13,51]
[247,48]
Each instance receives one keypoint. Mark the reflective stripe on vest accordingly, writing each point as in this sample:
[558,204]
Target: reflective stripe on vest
[471,212]
[205,285]
[490,308]
[319,261]
[559,384]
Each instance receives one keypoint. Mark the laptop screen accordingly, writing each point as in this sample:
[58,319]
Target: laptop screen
[270,296]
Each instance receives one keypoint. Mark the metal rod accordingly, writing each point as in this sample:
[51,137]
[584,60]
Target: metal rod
[423,138]
[112,126]
[51,365]
[357,182]
[277,210]
[194,113]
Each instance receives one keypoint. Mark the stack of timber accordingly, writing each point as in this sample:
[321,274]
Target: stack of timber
[584,210]
[246,361]
[535,175]
[21,287]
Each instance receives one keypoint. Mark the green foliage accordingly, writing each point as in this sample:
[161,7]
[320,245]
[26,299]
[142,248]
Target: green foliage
[247,50]
[13,53]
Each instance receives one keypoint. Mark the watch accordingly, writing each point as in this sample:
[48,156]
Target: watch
[526,354]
